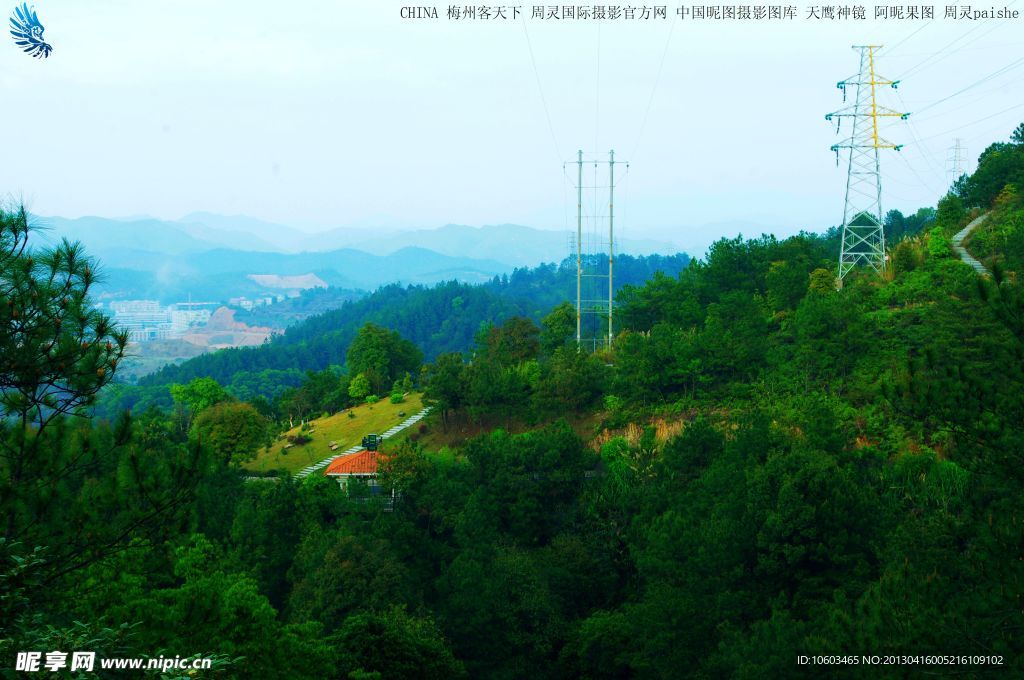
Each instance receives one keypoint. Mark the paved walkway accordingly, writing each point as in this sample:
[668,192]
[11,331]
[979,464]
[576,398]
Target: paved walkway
[958,246]
[305,472]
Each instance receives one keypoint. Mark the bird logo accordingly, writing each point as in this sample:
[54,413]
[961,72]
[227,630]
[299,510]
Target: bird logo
[28,32]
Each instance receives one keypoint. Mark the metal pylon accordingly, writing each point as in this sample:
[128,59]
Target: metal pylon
[956,161]
[863,235]
[594,246]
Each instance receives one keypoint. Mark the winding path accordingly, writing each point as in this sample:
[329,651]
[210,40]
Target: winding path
[958,246]
[412,420]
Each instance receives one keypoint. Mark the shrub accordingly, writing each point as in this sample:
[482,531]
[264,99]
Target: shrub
[950,215]
[904,257]
[938,244]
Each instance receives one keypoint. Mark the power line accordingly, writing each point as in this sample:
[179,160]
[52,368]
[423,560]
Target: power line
[597,95]
[1005,69]
[540,89]
[941,53]
[929,158]
[980,120]
[926,152]
[964,46]
[888,51]
[989,46]
[654,89]
[972,103]
[920,179]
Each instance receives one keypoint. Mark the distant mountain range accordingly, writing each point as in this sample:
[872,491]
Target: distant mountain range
[216,257]
[220,274]
[510,244]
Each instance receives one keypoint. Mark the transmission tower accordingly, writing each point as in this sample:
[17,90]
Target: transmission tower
[956,161]
[594,245]
[863,235]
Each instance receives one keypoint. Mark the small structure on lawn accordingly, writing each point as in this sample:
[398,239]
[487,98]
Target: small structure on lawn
[360,465]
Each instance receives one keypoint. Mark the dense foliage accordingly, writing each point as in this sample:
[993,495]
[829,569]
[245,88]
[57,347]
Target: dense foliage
[1000,240]
[1000,164]
[760,467]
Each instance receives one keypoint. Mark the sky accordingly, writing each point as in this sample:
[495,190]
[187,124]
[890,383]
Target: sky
[325,114]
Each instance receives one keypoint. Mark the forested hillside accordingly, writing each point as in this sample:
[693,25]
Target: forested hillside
[998,182]
[438,319]
[761,467]
[442,318]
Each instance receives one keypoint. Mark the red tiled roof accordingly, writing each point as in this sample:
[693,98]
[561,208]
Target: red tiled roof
[360,463]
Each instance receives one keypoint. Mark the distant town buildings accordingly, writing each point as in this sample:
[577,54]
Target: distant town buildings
[147,320]
[248,305]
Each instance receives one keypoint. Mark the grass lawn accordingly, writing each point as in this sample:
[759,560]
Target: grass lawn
[346,431]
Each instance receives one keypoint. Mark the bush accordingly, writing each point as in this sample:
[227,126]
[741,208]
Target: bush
[372,399]
[951,214]
[904,257]
[938,244]
[235,431]
[397,397]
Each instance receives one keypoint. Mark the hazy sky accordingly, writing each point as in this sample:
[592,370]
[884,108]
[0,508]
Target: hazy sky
[337,113]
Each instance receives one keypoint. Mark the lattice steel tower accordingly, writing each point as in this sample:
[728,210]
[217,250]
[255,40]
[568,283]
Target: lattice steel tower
[956,161]
[863,236]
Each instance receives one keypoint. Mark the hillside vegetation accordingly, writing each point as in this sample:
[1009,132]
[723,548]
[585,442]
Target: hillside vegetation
[997,183]
[781,469]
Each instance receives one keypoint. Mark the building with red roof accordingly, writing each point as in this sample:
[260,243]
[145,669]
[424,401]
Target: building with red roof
[359,465]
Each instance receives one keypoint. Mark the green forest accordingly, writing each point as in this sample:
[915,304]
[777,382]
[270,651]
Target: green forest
[761,466]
